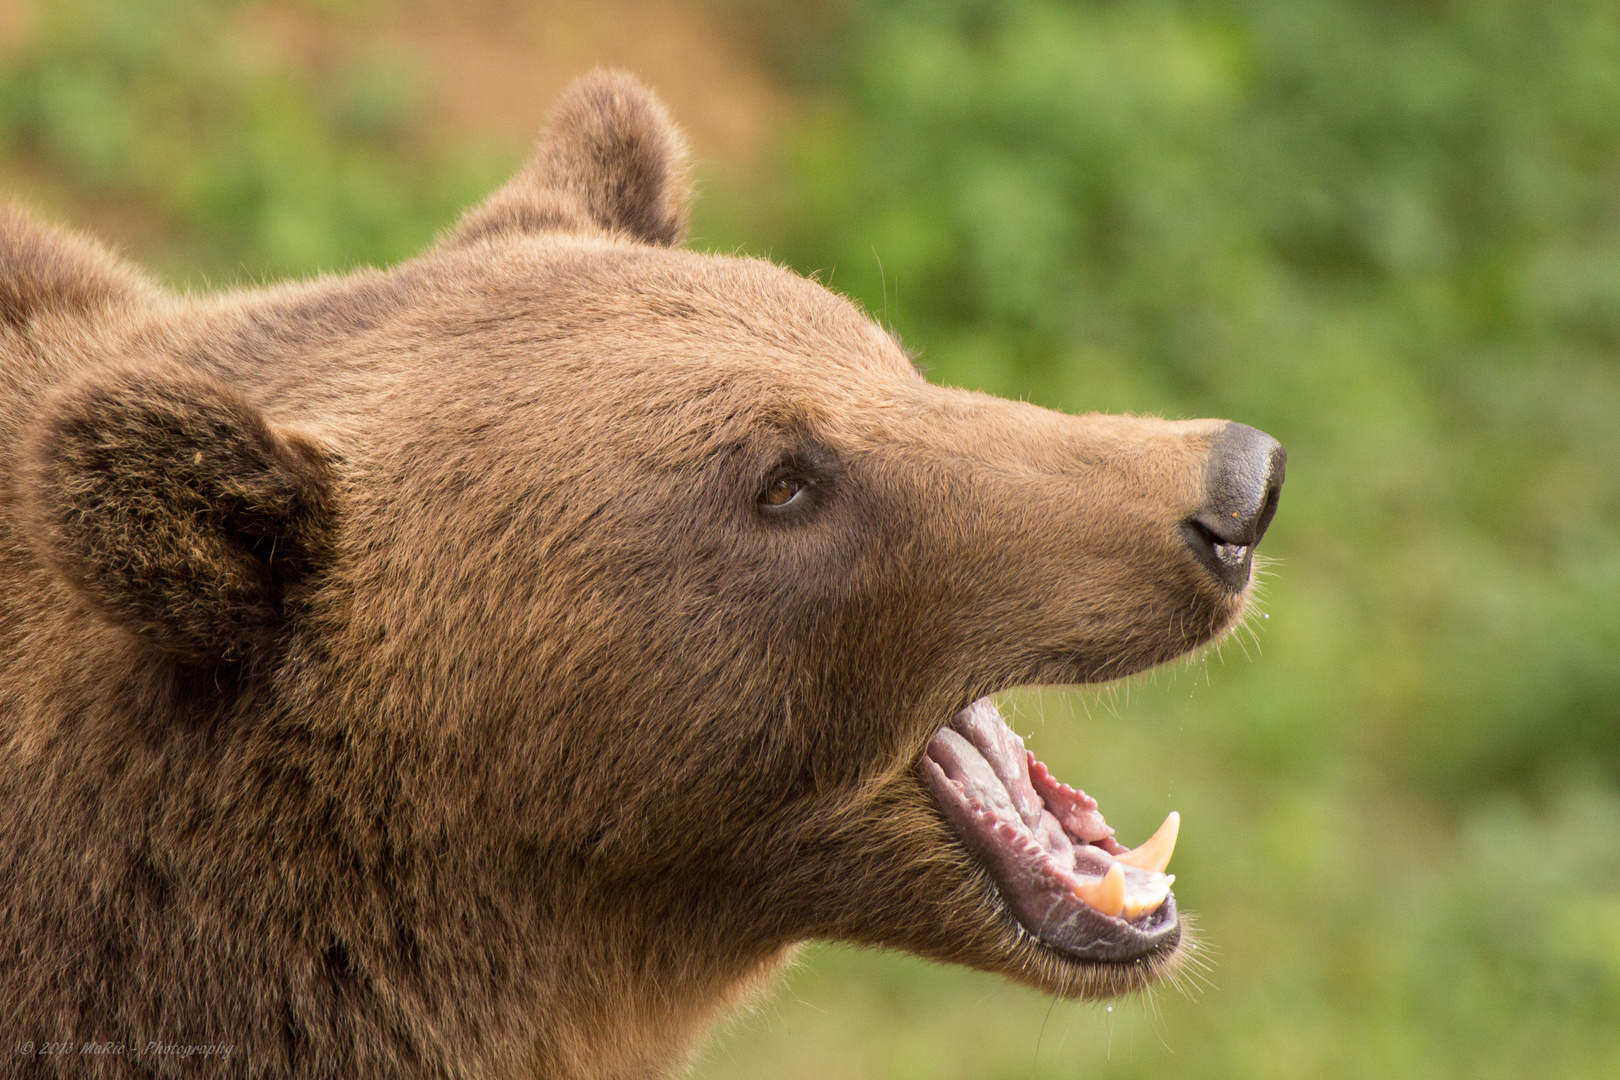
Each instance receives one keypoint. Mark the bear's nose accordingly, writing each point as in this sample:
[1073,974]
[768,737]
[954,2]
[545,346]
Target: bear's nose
[1242,483]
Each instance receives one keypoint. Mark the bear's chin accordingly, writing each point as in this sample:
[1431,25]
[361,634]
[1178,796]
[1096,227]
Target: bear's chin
[1052,863]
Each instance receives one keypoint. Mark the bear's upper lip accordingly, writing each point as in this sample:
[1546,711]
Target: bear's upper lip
[1052,856]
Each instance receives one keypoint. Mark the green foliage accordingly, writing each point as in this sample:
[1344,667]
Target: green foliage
[254,168]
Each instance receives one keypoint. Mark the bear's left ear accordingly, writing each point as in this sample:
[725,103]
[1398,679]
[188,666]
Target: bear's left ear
[611,160]
[169,503]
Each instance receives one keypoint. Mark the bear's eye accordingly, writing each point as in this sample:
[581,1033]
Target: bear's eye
[781,491]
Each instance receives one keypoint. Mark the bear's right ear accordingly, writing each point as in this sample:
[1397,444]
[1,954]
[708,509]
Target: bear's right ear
[611,160]
[171,505]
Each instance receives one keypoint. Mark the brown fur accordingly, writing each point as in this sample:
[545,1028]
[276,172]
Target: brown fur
[399,676]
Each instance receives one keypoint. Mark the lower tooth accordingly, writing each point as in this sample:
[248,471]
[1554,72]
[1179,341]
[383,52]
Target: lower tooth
[1145,903]
[1106,895]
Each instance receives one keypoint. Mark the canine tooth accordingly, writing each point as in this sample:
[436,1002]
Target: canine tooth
[1148,898]
[1106,895]
[1154,853]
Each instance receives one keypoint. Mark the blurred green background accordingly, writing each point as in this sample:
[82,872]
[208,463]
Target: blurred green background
[1386,231]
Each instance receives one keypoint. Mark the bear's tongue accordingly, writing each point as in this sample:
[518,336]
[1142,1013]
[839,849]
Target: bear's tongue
[1045,843]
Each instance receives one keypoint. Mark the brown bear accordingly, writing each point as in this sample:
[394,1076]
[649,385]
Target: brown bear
[495,666]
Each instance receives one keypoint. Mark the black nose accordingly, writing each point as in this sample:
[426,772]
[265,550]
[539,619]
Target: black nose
[1242,484]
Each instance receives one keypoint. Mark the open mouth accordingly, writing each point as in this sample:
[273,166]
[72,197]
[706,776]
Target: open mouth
[1052,857]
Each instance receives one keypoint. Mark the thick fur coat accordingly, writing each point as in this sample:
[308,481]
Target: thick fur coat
[494,666]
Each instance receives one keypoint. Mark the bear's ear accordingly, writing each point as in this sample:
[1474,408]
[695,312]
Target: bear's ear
[44,270]
[168,502]
[611,159]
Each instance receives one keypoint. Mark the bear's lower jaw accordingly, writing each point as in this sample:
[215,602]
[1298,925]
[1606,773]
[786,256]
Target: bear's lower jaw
[1053,858]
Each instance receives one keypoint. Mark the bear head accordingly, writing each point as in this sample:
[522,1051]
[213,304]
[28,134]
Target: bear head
[501,662]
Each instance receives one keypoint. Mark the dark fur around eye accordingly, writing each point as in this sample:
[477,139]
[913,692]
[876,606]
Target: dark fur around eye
[798,484]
